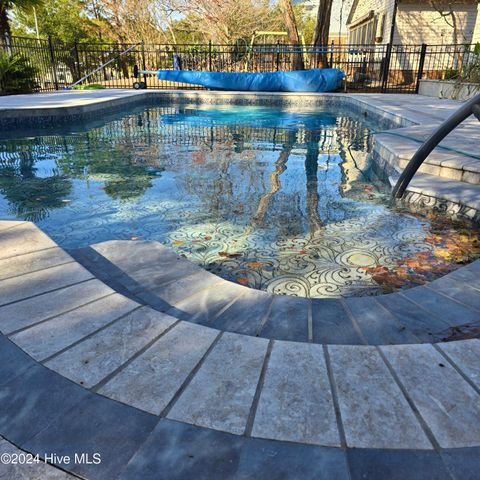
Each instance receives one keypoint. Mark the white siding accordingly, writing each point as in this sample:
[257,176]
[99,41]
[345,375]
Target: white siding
[476,32]
[379,7]
[421,23]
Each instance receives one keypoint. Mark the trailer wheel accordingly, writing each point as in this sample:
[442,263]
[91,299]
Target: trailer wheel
[139,85]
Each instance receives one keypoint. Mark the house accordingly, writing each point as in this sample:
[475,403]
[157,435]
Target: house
[414,22]
[340,9]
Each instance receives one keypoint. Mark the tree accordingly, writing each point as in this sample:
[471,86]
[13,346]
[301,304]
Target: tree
[63,20]
[7,6]
[224,21]
[292,30]
[322,30]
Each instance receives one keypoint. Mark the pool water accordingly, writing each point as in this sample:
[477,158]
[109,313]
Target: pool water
[280,200]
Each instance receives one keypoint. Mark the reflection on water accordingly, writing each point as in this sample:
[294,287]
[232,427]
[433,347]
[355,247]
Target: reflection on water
[283,201]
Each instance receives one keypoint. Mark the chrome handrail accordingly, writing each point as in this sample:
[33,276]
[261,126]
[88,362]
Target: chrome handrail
[472,107]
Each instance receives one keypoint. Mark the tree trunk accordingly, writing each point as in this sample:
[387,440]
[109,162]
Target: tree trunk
[311,169]
[322,30]
[293,37]
[4,24]
[275,184]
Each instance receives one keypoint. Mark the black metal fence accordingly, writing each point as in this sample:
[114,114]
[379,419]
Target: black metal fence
[368,68]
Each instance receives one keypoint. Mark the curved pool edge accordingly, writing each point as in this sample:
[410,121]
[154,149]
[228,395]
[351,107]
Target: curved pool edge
[155,275]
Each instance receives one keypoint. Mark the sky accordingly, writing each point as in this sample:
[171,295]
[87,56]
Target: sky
[340,10]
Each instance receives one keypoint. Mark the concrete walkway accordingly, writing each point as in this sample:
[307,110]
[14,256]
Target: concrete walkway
[103,369]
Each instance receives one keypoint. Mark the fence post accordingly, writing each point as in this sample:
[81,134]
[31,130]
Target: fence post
[421,66]
[77,61]
[210,55]
[386,68]
[52,59]
[331,53]
[278,55]
[144,64]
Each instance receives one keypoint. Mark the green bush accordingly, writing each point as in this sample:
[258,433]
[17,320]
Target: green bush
[471,69]
[16,74]
[89,86]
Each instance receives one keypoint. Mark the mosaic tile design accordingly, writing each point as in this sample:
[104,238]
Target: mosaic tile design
[285,200]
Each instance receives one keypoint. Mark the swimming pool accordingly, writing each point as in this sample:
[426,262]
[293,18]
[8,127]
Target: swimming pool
[283,200]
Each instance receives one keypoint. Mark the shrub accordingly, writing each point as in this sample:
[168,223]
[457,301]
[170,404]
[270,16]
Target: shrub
[16,74]
[471,68]
[89,86]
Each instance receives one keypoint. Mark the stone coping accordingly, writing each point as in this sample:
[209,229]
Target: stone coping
[154,275]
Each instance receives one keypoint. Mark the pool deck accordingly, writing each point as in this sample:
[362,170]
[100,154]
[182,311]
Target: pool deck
[167,371]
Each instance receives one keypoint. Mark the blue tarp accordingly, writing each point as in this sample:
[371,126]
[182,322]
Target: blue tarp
[314,80]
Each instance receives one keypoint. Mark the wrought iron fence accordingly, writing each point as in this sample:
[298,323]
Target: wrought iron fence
[368,68]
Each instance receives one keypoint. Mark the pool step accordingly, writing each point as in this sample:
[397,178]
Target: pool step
[456,158]
[445,194]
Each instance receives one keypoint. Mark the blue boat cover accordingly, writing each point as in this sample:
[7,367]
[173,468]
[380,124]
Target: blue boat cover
[314,80]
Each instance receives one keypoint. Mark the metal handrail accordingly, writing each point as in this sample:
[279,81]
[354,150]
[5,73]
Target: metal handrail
[472,107]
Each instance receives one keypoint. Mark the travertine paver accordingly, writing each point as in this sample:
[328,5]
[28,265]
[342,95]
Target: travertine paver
[296,402]
[30,262]
[177,451]
[90,361]
[377,324]
[332,324]
[143,258]
[24,238]
[205,305]
[418,321]
[7,224]
[27,470]
[458,291]
[448,404]
[152,379]
[221,393]
[440,305]
[288,319]
[466,355]
[374,412]
[35,283]
[246,314]
[27,312]
[43,340]
[177,290]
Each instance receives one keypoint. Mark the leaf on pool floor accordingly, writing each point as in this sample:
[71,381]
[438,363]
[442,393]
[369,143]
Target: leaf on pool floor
[255,264]
[177,242]
[230,255]
[243,281]
[442,253]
